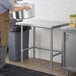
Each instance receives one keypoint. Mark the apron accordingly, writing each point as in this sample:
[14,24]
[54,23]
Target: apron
[4,28]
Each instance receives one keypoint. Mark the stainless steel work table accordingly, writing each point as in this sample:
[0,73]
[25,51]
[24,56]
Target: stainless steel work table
[45,24]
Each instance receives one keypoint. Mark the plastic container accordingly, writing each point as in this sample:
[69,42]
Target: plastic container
[73,20]
[14,41]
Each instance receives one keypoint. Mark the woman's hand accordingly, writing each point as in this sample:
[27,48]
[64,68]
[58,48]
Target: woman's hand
[18,7]
[26,7]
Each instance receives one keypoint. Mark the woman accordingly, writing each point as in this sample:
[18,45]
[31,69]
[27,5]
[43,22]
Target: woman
[5,7]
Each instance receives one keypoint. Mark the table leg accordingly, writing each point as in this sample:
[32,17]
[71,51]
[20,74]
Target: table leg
[51,51]
[21,43]
[68,73]
[63,49]
[34,39]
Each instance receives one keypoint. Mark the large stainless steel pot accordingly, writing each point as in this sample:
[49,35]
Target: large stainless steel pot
[24,14]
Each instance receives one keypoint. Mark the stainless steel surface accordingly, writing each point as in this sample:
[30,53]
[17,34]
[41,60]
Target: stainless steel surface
[23,14]
[70,54]
[34,39]
[63,49]
[57,54]
[68,73]
[51,49]
[28,48]
[69,49]
[69,29]
[40,25]
[47,49]
[22,44]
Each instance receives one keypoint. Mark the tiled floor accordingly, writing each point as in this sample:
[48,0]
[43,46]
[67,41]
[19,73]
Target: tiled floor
[42,65]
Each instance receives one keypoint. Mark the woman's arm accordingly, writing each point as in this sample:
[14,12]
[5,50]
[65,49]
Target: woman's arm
[16,9]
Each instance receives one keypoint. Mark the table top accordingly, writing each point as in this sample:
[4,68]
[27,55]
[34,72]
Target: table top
[69,29]
[41,23]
